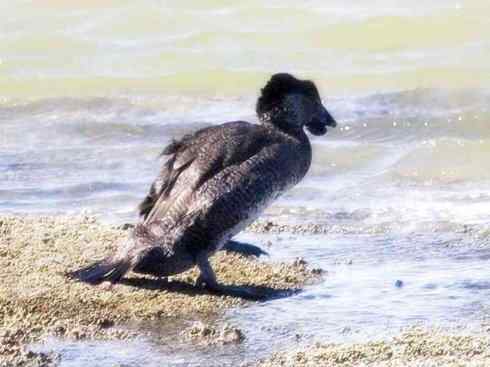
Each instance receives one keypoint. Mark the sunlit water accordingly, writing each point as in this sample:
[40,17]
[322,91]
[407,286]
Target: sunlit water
[91,91]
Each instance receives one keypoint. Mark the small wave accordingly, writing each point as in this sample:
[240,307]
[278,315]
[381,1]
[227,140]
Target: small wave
[445,161]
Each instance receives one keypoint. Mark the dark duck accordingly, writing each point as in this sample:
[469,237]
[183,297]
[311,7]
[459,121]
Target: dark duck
[217,181]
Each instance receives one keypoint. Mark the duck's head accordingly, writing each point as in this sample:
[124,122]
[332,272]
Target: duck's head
[291,103]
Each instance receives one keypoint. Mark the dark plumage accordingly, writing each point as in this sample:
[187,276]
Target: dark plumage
[217,181]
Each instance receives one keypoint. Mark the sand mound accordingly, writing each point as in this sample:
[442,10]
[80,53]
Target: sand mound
[414,347]
[37,299]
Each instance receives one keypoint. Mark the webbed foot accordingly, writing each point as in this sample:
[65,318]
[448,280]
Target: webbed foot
[244,249]
[207,280]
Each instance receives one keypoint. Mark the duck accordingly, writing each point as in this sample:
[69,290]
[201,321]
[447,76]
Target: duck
[215,182]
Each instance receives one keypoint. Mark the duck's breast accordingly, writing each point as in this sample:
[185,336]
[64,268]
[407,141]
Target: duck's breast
[229,202]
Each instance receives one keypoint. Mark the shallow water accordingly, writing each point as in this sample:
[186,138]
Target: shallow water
[403,182]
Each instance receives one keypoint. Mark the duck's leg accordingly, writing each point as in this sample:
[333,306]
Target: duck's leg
[207,279]
[243,248]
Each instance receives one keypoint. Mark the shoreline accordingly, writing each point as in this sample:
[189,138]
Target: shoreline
[37,300]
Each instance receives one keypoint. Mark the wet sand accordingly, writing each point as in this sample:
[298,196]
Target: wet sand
[413,347]
[36,299]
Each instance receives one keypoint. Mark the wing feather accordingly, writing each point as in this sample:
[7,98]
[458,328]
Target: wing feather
[196,158]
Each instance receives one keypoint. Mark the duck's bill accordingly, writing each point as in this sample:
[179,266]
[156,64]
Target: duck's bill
[318,125]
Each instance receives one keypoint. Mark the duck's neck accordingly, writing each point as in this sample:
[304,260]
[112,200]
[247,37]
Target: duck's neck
[283,123]
[297,137]
[290,116]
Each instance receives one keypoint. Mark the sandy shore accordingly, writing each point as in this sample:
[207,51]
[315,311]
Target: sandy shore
[414,347]
[36,299]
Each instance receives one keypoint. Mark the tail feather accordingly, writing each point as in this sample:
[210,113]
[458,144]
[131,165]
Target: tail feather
[101,271]
[130,253]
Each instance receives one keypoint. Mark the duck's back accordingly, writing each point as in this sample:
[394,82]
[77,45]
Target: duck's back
[218,180]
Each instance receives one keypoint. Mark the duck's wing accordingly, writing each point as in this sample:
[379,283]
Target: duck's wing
[196,158]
